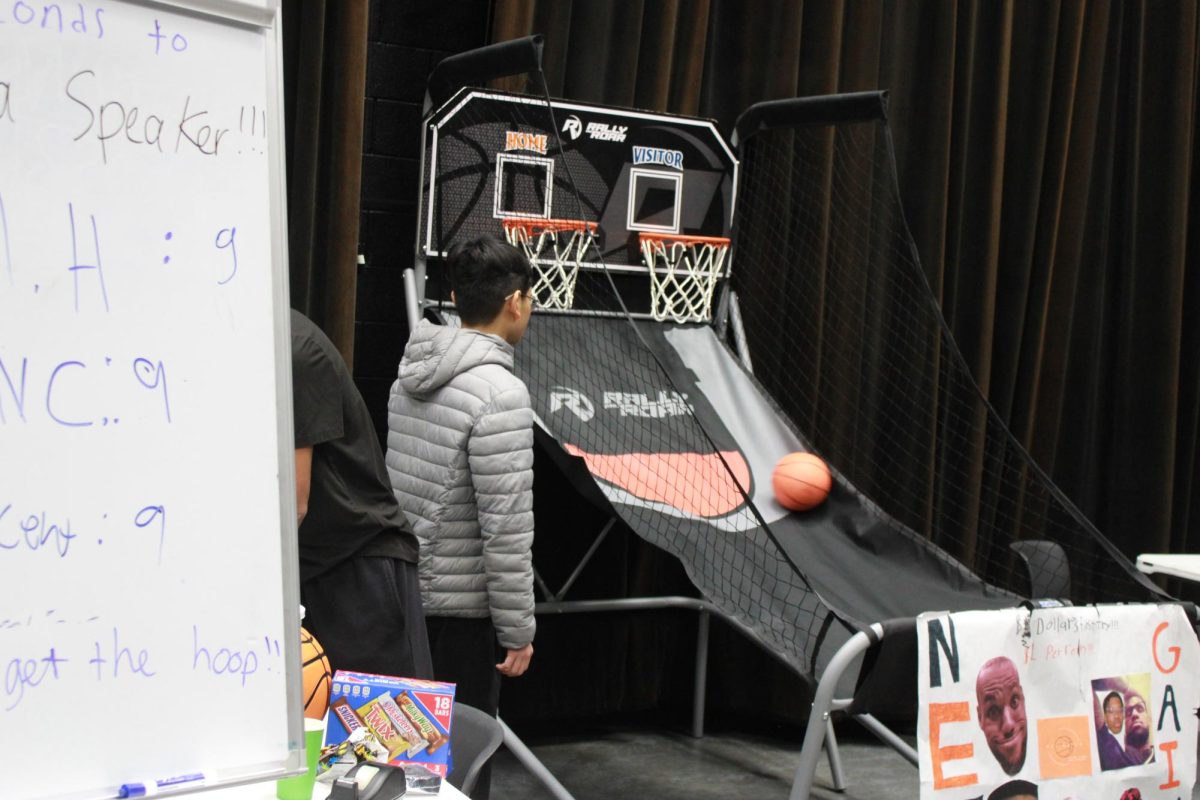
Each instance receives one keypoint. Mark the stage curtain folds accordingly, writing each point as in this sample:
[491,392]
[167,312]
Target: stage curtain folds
[325,63]
[1045,153]
[1047,159]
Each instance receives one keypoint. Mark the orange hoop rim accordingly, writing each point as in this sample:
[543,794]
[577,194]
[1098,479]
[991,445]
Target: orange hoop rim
[530,225]
[683,238]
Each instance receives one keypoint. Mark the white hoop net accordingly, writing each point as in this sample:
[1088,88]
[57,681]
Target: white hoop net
[683,274]
[555,249]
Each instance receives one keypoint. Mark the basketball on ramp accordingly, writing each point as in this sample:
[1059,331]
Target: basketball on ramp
[801,481]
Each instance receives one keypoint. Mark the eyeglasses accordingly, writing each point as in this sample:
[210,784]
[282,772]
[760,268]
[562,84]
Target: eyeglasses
[533,303]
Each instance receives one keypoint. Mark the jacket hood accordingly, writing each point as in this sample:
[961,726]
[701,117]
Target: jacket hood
[436,353]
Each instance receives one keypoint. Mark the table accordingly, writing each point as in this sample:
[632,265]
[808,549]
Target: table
[1177,565]
[266,791]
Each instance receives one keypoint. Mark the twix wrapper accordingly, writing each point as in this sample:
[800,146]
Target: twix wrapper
[378,721]
[411,741]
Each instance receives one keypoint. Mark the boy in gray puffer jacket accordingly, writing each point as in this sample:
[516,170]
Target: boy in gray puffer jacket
[460,460]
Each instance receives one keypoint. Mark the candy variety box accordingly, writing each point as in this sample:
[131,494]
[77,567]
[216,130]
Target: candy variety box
[401,721]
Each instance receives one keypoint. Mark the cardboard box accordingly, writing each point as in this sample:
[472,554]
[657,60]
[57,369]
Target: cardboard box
[401,721]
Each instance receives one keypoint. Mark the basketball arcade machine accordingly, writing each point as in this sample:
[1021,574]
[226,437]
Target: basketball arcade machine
[623,214]
[627,215]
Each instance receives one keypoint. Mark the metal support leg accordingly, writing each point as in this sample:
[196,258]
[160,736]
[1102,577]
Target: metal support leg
[835,758]
[536,768]
[586,558]
[412,301]
[885,735]
[701,682]
[739,331]
[549,595]
[818,717]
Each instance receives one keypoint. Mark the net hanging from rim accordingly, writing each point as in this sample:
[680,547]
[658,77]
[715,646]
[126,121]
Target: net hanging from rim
[555,248]
[681,290]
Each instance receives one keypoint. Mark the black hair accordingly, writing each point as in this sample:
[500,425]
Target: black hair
[483,272]
[1017,788]
[1110,696]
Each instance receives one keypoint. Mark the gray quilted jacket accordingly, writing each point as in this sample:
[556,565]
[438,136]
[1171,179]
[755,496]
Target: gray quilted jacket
[460,458]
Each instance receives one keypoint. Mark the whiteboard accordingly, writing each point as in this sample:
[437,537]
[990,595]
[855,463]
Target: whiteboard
[149,600]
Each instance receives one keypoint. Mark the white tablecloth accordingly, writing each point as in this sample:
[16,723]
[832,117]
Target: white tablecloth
[266,791]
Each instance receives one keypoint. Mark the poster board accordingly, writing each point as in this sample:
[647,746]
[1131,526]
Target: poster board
[147,510]
[1013,703]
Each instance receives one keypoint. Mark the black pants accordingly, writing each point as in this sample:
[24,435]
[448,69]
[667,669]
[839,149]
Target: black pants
[366,613]
[465,652]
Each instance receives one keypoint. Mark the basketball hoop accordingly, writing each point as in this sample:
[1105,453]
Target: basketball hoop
[682,290]
[564,242]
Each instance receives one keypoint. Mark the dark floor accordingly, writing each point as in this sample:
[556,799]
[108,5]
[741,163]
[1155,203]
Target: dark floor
[608,764]
[614,764]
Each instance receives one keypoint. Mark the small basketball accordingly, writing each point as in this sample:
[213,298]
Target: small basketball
[316,676]
[801,481]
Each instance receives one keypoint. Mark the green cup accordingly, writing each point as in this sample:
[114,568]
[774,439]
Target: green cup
[301,786]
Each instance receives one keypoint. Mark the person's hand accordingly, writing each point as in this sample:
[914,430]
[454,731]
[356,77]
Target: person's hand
[516,662]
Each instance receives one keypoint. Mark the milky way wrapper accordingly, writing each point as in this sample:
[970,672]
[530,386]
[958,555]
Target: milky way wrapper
[414,710]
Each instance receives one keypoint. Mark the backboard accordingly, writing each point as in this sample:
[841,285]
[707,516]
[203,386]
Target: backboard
[492,156]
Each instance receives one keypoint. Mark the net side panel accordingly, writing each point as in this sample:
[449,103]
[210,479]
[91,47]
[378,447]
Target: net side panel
[845,333]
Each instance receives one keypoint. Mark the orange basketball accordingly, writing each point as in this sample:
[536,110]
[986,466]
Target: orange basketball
[801,481]
[316,676]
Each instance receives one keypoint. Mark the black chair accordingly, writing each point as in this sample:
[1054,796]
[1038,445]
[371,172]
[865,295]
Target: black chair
[1049,572]
[474,737]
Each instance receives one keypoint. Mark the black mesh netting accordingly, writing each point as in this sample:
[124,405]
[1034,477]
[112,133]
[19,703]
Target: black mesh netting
[850,359]
[846,334]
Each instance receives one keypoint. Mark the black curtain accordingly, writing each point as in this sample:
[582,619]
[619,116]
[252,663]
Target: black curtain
[1047,158]
[1045,152]
[325,67]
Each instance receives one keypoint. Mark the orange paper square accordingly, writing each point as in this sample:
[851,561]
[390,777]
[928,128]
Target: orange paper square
[1064,746]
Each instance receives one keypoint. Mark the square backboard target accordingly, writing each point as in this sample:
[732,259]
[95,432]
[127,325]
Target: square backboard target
[524,187]
[654,201]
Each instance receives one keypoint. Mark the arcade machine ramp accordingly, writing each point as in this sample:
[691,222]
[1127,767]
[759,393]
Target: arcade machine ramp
[708,499]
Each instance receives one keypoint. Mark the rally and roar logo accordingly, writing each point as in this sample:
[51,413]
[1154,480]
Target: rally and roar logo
[599,131]
[626,404]
[573,127]
[1095,703]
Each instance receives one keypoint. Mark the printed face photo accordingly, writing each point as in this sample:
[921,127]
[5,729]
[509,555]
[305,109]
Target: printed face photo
[1122,721]
[1001,712]
[1114,713]
[1137,728]
[1015,790]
